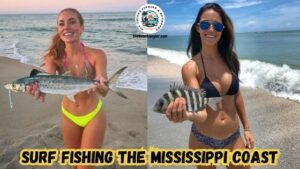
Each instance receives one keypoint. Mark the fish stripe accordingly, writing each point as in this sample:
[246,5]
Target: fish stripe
[166,97]
[195,101]
[174,94]
[165,101]
[199,100]
[188,100]
[203,101]
[183,93]
[191,99]
[178,92]
[206,100]
[170,96]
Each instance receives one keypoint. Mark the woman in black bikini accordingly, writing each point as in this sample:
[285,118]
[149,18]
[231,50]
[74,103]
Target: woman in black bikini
[214,67]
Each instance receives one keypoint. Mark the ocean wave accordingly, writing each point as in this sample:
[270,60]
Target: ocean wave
[133,80]
[177,57]
[114,19]
[29,29]
[281,81]
[134,50]
[12,51]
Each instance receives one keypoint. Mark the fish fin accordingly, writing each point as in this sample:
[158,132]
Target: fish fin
[213,101]
[112,82]
[71,97]
[35,72]
[180,86]
[202,92]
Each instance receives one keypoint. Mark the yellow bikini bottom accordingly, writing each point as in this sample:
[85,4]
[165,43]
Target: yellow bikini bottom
[82,121]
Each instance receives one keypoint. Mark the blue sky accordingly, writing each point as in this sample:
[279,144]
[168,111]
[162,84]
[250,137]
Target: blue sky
[247,15]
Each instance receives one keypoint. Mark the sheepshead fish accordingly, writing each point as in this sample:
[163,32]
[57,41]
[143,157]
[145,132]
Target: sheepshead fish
[195,99]
[60,84]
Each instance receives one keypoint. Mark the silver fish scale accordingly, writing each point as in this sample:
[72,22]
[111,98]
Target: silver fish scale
[66,85]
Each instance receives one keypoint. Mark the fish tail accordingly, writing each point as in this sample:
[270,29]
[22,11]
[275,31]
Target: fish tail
[213,101]
[112,82]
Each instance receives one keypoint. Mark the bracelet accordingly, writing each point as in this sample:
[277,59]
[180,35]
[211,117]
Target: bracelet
[247,130]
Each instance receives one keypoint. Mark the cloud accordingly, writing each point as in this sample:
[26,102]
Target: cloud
[170,2]
[232,5]
[251,23]
[241,4]
[180,27]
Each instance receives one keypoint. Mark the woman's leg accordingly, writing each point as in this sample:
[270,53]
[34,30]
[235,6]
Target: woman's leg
[93,134]
[195,144]
[71,134]
[237,144]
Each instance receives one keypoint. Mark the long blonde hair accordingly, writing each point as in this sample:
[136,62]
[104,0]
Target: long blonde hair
[57,46]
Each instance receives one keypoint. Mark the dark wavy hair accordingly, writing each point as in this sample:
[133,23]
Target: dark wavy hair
[226,42]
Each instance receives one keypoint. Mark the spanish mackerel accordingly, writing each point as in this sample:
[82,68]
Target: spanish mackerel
[195,99]
[60,84]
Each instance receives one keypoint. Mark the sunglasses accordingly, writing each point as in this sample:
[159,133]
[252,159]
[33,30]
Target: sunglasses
[204,25]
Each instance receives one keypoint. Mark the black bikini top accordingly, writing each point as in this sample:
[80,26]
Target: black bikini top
[211,90]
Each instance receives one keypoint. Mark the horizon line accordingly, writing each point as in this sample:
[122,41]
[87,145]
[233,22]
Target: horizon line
[45,13]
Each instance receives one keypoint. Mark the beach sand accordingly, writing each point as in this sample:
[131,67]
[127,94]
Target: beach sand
[274,121]
[32,124]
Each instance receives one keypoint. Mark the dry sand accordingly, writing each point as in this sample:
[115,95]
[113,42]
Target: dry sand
[32,124]
[275,122]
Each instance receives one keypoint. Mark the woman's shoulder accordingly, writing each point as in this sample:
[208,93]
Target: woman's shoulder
[50,59]
[96,52]
[190,68]
[96,55]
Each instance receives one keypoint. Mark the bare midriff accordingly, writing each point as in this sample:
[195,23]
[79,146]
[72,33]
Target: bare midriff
[84,103]
[219,124]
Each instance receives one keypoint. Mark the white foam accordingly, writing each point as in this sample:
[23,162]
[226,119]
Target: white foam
[133,80]
[281,81]
[177,57]
[12,51]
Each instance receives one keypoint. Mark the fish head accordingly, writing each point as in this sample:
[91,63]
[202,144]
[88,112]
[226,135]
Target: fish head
[16,87]
[161,105]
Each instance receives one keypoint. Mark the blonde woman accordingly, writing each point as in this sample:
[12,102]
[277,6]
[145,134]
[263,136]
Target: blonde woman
[83,120]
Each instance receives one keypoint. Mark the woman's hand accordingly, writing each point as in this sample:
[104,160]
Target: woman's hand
[33,89]
[176,111]
[101,85]
[249,139]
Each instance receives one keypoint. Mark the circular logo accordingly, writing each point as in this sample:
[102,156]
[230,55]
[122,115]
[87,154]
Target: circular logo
[149,18]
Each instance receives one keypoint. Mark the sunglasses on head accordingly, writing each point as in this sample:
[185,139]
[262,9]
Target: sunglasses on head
[204,25]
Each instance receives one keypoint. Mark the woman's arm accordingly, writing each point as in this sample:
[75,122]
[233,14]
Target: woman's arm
[239,103]
[176,110]
[50,66]
[100,70]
